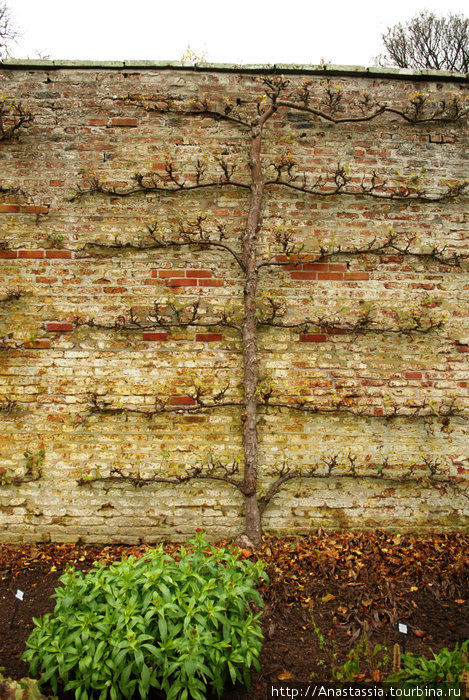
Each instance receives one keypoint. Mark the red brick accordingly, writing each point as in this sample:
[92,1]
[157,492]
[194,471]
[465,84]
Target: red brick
[123,121]
[42,344]
[330,275]
[208,337]
[413,375]
[181,282]
[337,266]
[304,275]
[198,273]
[302,258]
[114,290]
[59,326]
[150,335]
[8,254]
[167,273]
[34,209]
[315,266]
[64,254]
[46,280]
[56,183]
[210,283]
[462,348]
[377,411]
[182,401]
[97,122]
[313,337]
[356,276]
[9,208]
[30,253]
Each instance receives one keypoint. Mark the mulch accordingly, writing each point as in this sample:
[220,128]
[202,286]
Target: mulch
[327,593]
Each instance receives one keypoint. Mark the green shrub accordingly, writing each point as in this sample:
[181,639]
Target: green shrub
[364,663]
[177,623]
[445,667]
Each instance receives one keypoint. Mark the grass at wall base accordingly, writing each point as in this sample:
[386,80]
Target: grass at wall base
[181,624]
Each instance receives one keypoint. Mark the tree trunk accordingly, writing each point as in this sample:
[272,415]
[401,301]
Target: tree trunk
[249,332]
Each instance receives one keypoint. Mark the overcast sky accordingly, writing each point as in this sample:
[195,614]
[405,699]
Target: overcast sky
[225,31]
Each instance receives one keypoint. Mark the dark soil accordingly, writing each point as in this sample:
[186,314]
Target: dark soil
[327,593]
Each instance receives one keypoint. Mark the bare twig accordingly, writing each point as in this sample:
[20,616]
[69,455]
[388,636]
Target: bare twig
[11,295]
[13,116]
[7,405]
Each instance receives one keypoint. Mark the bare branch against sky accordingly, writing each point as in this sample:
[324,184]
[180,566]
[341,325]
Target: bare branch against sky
[7,30]
[428,41]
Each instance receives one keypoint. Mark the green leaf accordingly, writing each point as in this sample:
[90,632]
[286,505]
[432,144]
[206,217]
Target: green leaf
[163,628]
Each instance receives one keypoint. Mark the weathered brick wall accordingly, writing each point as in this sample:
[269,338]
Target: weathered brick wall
[51,364]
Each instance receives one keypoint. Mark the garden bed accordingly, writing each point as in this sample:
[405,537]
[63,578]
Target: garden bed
[326,593]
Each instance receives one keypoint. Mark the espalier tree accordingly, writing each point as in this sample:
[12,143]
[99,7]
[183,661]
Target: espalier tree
[251,113]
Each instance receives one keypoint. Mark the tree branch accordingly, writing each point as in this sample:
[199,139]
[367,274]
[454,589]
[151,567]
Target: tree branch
[152,182]
[405,189]
[162,317]
[214,469]
[161,405]
[394,244]
[13,116]
[414,323]
[442,411]
[165,104]
[432,473]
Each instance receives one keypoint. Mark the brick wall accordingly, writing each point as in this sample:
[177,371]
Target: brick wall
[382,397]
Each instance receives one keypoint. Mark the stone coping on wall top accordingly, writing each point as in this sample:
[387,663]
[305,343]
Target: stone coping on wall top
[326,69]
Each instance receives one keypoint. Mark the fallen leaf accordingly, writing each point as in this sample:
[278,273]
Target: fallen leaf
[414,588]
[326,598]
[376,675]
[459,601]
[285,676]
[419,633]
